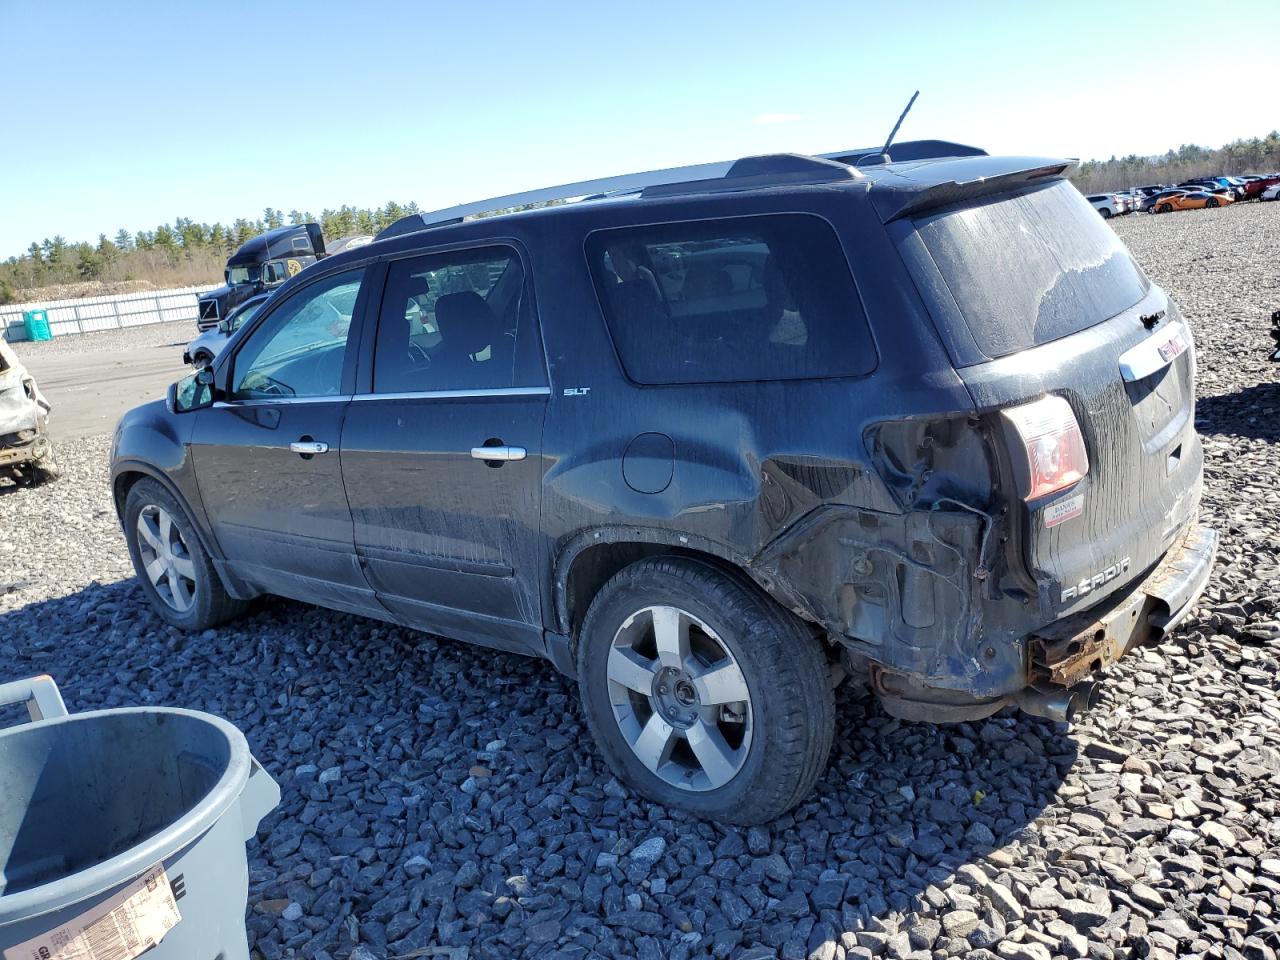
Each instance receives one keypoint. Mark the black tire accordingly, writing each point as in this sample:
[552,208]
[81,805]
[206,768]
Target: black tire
[1106,214]
[210,603]
[790,711]
[1164,208]
[1211,202]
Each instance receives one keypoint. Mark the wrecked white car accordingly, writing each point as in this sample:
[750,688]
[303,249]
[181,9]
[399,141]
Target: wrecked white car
[26,453]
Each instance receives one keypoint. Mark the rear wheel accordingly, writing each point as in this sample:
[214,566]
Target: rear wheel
[1106,214]
[172,566]
[704,694]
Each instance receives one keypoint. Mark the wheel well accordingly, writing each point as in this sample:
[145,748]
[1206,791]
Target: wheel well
[123,484]
[595,566]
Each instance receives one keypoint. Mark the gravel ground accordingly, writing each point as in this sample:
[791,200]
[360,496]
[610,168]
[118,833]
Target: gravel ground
[443,801]
[176,333]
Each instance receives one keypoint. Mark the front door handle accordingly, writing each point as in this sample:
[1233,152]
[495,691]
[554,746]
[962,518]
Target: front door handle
[308,447]
[498,454]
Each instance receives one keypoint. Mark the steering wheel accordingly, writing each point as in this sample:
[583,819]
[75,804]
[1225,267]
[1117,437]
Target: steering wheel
[270,387]
[419,355]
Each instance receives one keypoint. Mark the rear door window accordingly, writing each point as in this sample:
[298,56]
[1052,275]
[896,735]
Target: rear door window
[736,299]
[1031,267]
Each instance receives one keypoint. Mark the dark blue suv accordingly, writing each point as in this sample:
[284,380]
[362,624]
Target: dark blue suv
[711,441]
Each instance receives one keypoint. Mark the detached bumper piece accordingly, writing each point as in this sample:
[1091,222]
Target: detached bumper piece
[1071,650]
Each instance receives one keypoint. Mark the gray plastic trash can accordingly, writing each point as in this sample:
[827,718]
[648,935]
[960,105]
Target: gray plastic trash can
[120,829]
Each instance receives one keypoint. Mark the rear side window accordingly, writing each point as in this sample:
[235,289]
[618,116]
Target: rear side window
[1031,267]
[743,298]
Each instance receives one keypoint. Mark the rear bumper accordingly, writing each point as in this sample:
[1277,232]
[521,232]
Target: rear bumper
[1071,650]
[35,449]
[1064,656]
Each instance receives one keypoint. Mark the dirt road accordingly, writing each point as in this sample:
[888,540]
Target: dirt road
[90,390]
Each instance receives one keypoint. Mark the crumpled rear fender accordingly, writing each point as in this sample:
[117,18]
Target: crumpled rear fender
[903,590]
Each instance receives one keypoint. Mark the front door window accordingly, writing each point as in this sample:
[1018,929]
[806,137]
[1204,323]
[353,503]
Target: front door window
[299,350]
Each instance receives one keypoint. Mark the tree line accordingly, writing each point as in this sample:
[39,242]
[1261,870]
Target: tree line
[183,252]
[1257,155]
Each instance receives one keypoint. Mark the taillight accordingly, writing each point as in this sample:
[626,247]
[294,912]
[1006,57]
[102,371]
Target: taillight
[1053,444]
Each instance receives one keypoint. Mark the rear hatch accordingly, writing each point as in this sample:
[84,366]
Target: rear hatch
[1035,295]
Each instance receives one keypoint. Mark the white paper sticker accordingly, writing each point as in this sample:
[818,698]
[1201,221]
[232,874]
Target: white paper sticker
[121,928]
[1063,510]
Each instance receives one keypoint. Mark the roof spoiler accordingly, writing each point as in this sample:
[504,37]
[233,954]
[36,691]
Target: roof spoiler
[912,199]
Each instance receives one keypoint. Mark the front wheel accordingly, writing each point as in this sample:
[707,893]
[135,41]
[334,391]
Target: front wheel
[176,573]
[1164,208]
[702,693]
[1211,202]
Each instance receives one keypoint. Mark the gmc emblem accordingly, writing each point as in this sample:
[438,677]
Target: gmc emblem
[1090,584]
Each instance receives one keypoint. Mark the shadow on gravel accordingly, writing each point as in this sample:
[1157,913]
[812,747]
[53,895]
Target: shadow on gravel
[437,794]
[1253,412]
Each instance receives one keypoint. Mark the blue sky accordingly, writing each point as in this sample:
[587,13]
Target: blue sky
[128,114]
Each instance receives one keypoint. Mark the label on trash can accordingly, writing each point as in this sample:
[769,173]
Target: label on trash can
[121,928]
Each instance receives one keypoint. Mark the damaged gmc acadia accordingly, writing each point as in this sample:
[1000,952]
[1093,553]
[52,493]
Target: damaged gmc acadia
[710,440]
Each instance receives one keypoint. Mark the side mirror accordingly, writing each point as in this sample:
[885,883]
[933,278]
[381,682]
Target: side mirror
[224,327]
[191,393]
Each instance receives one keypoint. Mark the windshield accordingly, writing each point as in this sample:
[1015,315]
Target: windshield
[1030,267]
[244,273]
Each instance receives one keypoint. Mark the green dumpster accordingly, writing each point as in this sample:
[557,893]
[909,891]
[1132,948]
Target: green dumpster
[37,324]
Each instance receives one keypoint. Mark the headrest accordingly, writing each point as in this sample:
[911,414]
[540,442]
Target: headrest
[466,323]
[417,287]
[705,280]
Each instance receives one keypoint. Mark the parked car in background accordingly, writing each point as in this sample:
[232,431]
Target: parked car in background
[754,464]
[201,351]
[1189,200]
[26,452]
[1106,204]
[1132,199]
[1257,186]
[1220,186]
[1272,192]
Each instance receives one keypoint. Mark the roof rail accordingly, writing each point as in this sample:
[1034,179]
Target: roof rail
[724,175]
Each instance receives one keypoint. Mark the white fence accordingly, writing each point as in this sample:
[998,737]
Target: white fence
[89,314]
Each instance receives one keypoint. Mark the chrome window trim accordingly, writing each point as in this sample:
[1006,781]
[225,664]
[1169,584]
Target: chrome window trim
[458,394]
[271,401]
[422,395]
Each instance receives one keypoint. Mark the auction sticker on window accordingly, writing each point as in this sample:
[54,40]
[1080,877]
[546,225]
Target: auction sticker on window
[1063,510]
[121,928]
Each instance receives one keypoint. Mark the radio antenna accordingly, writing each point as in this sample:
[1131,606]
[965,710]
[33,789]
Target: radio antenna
[894,132]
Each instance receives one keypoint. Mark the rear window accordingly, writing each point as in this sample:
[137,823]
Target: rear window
[737,299]
[1031,267]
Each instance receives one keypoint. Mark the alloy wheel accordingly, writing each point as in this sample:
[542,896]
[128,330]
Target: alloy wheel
[680,698]
[166,558]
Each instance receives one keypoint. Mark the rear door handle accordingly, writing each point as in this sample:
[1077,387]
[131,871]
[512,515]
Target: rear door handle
[501,454]
[308,447]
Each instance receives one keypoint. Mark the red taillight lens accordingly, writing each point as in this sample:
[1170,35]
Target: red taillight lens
[1054,445]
